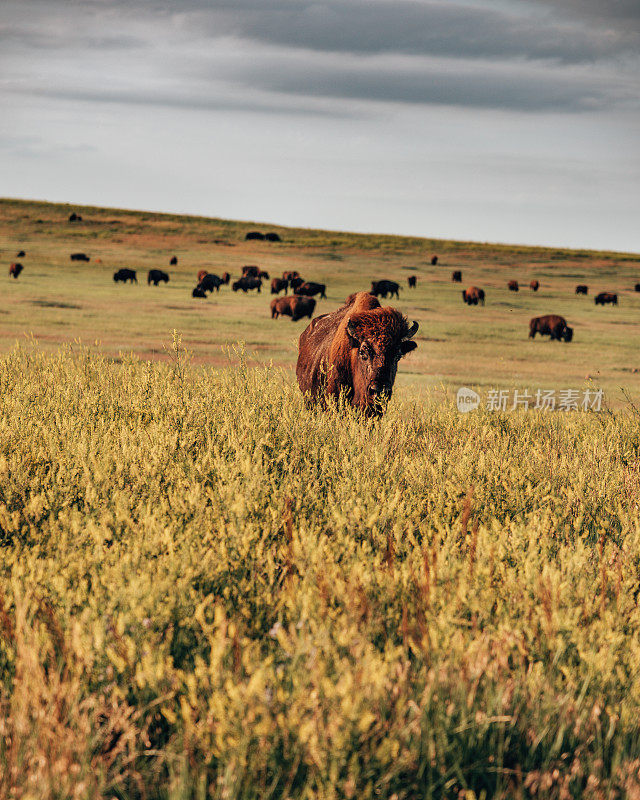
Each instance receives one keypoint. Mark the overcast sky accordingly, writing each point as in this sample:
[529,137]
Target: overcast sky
[487,120]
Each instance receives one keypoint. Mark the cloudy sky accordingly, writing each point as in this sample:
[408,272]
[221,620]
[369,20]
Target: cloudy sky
[487,120]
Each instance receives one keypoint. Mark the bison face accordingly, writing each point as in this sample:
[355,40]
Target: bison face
[568,334]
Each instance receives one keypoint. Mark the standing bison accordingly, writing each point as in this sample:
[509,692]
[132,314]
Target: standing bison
[456,276]
[278,284]
[246,284]
[254,235]
[551,325]
[272,237]
[79,257]
[582,288]
[384,287]
[309,289]
[157,276]
[15,269]
[209,282]
[353,353]
[513,286]
[21,254]
[473,295]
[250,272]
[607,297]
[174,261]
[534,285]
[294,307]
[434,260]
[412,281]
[125,275]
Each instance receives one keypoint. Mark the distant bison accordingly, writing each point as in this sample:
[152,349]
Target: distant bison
[473,295]
[295,307]
[174,261]
[353,354]
[125,275]
[551,325]
[607,297]
[209,282]
[21,254]
[272,237]
[156,276]
[79,257]
[73,217]
[434,260]
[278,284]
[513,286]
[15,269]
[534,286]
[254,235]
[456,276]
[582,288]
[636,288]
[198,292]
[384,287]
[412,281]
[246,284]
[264,275]
[292,273]
[309,289]
[250,272]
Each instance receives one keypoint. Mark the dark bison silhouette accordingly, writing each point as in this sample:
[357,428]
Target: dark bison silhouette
[73,217]
[636,288]
[309,289]
[125,275]
[79,257]
[254,235]
[353,354]
[434,260]
[551,325]
[156,276]
[582,288]
[173,261]
[21,254]
[473,295]
[456,276]
[534,285]
[412,281]
[296,282]
[209,282]
[198,292]
[295,307]
[606,297]
[289,274]
[250,272]
[246,284]
[272,237]
[278,284]
[385,287]
[513,286]
[15,269]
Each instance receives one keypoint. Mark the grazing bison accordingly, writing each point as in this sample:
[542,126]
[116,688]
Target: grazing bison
[456,276]
[198,292]
[209,282]
[295,307]
[551,325]
[254,235]
[75,217]
[434,260]
[513,286]
[309,289]
[246,284]
[79,257]
[250,272]
[272,237]
[607,297]
[278,284]
[383,288]
[15,269]
[21,254]
[289,274]
[534,286]
[174,261]
[473,295]
[354,352]
[412,280]
[226,277]
[155,276]
[125,275]
[582,288]
[263,275]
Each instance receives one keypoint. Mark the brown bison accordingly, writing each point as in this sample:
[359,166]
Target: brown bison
[434,260]
[582,288]
[412,281]
[155,276]
[15,269]
[309,289]
[607,297]
[125,275]
[288,274]
[250,272]
[246,284]
[79,257]
[209,282]
[513,286]
[456,276]
[278,284]
[354,353]
[384,287]
[473,295]
[174,261]
[295,307]
[534,286]
[226,277]
[551,325]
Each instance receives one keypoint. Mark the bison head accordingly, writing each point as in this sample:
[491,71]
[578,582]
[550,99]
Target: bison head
[379,339]
[567,334]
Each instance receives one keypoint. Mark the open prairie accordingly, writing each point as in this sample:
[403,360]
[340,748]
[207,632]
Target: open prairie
[59,301]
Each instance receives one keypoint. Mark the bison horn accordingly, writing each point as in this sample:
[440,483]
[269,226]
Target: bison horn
[412,330]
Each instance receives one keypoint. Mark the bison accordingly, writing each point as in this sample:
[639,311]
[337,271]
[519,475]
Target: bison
[352,354]
[272,237]
[384,287]
[264,275]
[287,275]
[513,286]
[551,325]
[209,282]
[198,292]
[15,269]
[73,217]
[582,288]
[79,257]
[156,276]
[295,307]
[412,281]
[434,260]
[256,235]
[173,262]
[534,285]
[246,283]
[250,272]
[278,284]
[309,289]
[125,275]
[607,297]
[456,276]
[21,254]
[296,282]
[473,295]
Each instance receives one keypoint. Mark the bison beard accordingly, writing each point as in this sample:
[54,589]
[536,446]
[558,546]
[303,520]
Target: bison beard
[353,353]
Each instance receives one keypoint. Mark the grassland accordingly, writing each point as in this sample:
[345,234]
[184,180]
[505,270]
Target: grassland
[60,302]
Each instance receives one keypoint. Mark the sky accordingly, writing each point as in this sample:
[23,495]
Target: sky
[481,120]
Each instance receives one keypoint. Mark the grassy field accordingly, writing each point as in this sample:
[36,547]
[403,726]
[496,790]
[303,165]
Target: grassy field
[58,301]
